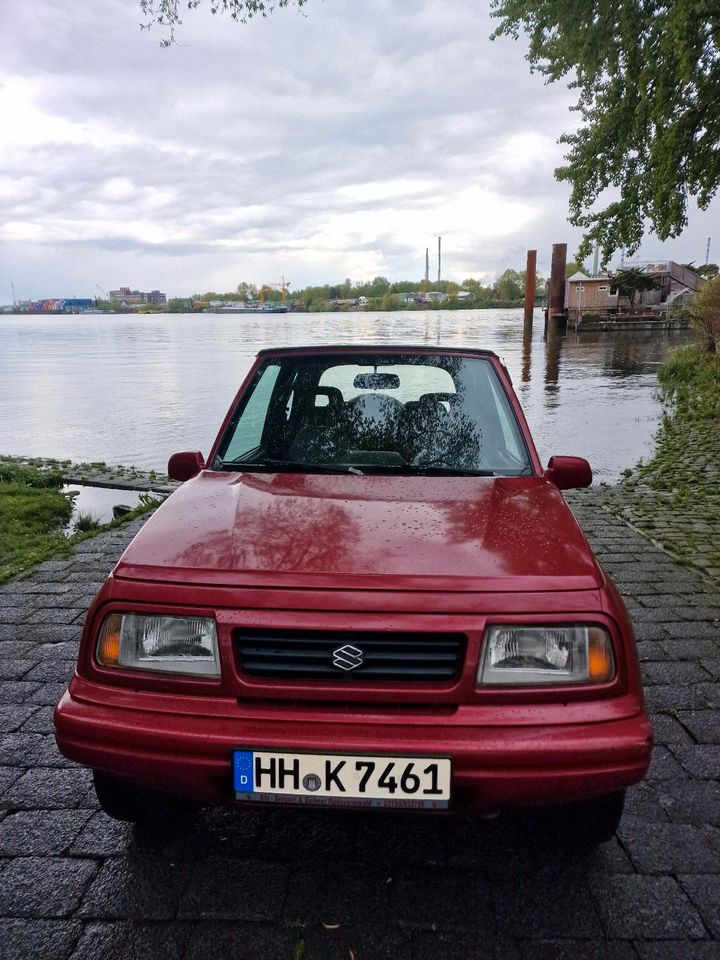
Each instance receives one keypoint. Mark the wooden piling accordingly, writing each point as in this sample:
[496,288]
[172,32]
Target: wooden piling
[556,300]
[530,274]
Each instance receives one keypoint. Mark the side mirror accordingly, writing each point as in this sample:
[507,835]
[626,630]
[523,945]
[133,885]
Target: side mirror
[568,472]
[184,466]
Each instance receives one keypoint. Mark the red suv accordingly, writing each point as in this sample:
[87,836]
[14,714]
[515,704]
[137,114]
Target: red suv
[370,595]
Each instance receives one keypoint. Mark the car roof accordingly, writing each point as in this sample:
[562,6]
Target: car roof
[378,348]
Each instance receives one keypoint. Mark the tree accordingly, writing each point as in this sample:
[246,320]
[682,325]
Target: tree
[647,74]
[707,270]
[378,287]
[510,285]
[576,266]
[705,313]
[180,305]
[247,291]
[632,281]
[166,13]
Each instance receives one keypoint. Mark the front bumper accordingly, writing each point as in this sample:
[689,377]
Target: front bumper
[532,758]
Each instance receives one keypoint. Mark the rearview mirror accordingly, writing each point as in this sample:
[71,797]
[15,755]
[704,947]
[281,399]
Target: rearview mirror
[376,381]
[184,466]
[567,473]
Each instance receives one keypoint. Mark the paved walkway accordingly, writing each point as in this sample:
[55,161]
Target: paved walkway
[260,886]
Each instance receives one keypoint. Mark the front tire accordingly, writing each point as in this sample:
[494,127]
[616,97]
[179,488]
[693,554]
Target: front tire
[129,803]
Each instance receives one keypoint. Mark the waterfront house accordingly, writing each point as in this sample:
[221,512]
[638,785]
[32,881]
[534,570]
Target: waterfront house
[598,296]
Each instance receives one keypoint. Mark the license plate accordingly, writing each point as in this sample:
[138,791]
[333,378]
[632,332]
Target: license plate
[335,780]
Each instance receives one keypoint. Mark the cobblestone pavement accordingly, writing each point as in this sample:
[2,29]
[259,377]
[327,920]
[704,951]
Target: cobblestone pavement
[674,499]
[683,520]
[260,886]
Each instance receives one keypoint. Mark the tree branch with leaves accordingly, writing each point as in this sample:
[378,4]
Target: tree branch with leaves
[168,13]
[647,74]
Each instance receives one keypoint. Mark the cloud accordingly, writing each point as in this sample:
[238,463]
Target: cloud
[340,143]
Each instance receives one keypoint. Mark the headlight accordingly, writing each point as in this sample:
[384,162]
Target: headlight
[166,644]
[551,654]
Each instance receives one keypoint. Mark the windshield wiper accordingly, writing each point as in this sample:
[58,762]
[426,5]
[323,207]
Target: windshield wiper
[291,466]
[364,469]
[427,469]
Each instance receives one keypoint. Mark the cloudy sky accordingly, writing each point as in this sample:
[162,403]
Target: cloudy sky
[333,144]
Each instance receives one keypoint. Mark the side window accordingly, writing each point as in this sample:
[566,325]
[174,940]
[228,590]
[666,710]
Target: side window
[508,425]
[248,431]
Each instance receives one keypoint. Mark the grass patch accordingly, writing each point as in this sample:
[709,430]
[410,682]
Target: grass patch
[680,486]
[34,513]
[86,521]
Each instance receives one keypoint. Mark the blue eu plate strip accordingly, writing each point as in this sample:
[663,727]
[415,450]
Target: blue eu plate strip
[243,771]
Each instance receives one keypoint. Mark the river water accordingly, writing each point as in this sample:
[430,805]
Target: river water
[130,389]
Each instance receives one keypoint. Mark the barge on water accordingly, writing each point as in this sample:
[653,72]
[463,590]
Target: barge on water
[260,308]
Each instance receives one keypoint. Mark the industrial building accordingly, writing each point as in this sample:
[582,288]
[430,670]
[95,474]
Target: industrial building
[129,298]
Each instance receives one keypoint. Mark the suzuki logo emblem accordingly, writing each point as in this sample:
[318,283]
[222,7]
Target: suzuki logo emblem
[347,657]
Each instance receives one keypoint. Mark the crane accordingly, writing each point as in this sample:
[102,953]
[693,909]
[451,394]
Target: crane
[282,286]
[103,292]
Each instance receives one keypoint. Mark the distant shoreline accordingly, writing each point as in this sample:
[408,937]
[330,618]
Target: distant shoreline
[212,313]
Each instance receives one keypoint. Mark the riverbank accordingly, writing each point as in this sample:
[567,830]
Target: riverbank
[674,498]
[35,512]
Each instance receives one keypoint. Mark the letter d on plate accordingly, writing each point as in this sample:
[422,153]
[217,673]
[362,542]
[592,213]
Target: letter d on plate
[243,774]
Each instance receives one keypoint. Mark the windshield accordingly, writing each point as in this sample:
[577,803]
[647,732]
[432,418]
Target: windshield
[375,414]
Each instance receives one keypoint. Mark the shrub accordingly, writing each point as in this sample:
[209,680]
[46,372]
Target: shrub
[705,314]
[87,521]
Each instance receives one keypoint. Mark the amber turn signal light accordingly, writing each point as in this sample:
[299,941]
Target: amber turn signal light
[600,658]
[108,647]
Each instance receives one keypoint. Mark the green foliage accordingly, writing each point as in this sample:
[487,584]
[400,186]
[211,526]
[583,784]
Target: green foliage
[707,270]
[576,266]
[678,488]
[33,512]
[510,285]
[382,294]
[147,501]
[86,521]
[648,82]
[705,315]
[247,291]
[631,281]
[29,476]
[180,305]
[166,13]
[691,377]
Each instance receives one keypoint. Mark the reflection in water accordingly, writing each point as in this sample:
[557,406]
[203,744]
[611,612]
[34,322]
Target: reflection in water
[527,352]
[128,389]
[553,349]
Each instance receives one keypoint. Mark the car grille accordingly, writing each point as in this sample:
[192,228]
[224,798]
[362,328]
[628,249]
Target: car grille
[350,655]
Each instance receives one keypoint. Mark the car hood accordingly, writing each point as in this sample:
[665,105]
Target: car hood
[364,532]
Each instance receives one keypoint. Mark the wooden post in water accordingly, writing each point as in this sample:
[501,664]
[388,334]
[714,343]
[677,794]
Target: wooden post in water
[556,298]
[556,303]
[530,272]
